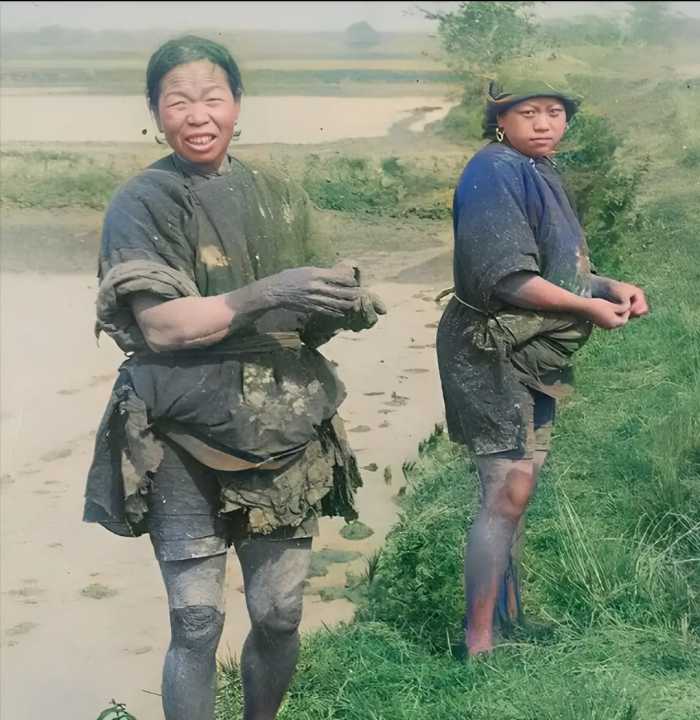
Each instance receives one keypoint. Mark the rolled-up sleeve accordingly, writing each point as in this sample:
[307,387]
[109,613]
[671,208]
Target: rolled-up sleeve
[493,234]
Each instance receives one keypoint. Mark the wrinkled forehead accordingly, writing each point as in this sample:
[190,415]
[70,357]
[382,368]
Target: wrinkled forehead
[194,73]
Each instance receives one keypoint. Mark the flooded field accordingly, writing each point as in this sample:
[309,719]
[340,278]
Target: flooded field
[39,117]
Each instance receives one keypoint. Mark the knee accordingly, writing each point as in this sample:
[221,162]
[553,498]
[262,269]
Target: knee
[513,498]
[197,627]
[278,618]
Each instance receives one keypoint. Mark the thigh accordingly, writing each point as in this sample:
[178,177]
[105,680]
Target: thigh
[274,572]
[543,416]
[182,509]
[199,581]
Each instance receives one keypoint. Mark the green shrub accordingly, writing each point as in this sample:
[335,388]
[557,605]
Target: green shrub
[358,185]
[603,193]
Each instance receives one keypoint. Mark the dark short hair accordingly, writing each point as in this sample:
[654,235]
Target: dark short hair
[187,49]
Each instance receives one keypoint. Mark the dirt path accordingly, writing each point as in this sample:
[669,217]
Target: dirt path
[83,612]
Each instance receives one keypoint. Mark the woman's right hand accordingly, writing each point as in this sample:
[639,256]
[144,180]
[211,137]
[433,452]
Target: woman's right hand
[311,290]
[605,314]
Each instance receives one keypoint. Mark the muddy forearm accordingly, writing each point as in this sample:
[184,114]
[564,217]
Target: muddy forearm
[197,321]
[532,292]
[602,287]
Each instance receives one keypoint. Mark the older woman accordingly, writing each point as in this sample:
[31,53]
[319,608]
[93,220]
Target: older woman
[222,426]
[525,300]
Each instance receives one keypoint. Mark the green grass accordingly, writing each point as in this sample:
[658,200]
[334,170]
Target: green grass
[391,187]
[612,558]
[50,179]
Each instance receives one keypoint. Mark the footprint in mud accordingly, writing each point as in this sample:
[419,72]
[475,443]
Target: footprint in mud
[100,379]
[360,429]
[416,371]
[356,530]
[372,467]
[397,400]
[138,650]
[323,558]
[21,629]
[29,593]
[98,591]
[56,454]
[373,394]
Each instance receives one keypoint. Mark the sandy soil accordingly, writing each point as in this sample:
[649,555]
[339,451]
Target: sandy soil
[83,612]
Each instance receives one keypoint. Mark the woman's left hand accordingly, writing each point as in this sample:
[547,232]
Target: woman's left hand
[625,292]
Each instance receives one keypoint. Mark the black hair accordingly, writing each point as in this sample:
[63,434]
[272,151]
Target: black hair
[187,49]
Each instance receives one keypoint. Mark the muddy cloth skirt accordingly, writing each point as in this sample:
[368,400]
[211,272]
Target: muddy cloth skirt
[194,511]
[488,368]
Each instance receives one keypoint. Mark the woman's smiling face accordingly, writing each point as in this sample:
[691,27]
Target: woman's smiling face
[197,112]
[535,127]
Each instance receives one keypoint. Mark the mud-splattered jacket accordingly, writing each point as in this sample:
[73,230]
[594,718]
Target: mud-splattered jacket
[511,213]
[262,393]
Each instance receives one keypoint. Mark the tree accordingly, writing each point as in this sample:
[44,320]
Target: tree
[653,23]
[362,34]
[479,36]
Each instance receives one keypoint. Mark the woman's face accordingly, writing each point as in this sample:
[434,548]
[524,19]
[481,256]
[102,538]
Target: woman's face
[534,127]
[197,112]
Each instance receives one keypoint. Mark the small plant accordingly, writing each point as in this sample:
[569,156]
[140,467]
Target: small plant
[117,711]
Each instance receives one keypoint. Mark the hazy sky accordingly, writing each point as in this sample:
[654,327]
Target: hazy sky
[320,16]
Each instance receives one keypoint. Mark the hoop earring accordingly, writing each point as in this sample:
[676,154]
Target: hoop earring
[499,135]
[160,139]
[236,134]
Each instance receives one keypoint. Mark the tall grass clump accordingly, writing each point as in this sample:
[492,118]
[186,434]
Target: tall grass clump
[390,187]
[49,180]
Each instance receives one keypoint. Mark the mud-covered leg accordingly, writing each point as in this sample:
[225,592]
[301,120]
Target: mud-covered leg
[196,600]
[509,610]
[506,488]
[274,572]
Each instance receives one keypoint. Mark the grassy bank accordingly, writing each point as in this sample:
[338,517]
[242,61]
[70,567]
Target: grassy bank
[613,553]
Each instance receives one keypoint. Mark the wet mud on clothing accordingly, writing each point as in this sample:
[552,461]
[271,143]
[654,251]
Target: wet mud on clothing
[511,214]
[174,232]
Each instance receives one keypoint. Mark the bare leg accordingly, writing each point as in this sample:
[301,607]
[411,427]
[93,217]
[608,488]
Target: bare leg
[506,488]
[274,572]
[196,600]
[509,606]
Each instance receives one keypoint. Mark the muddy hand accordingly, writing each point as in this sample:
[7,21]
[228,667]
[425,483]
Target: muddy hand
[314,291]
[607,315]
